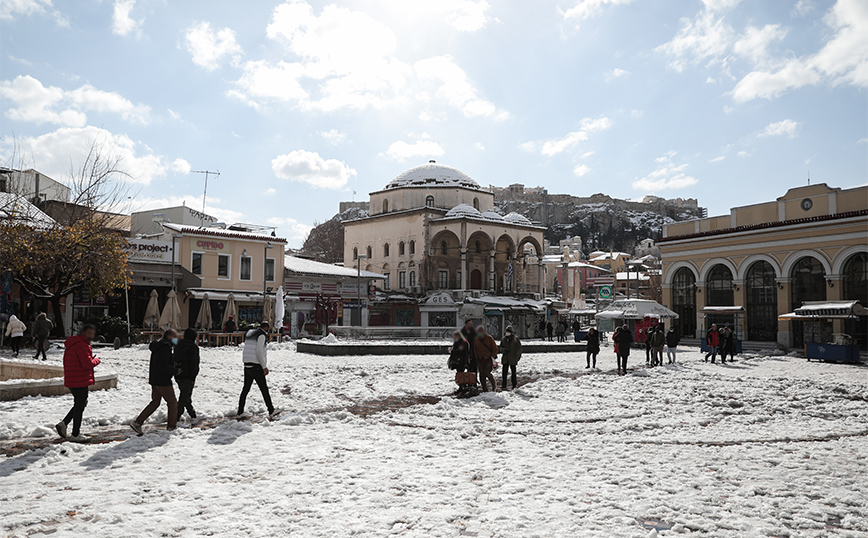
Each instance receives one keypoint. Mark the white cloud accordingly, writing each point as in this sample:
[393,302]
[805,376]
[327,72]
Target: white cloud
[181,166]
[842,60]
[618,72]
[333,136]
[213,206]
[456,89]
[585,9]
[802,8]
[786,128]
[58,152]
[588,126]
[463,15]
[587,154]
[10,9]
[667,176]
[754,43]
[39,104]
[122,23]
[717,159]
[744,153]
[401,151]
[308,167]
[480,146]
[293,230]
[208,47]
[270,191]
[581,170]
[707,36]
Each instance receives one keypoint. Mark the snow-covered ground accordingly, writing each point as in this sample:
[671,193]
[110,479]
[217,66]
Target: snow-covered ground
[767,446]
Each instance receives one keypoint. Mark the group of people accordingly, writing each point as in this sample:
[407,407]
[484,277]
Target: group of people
[656,338]
[172,360]
[558,329]
[720,340]
[474,353]
[40,331]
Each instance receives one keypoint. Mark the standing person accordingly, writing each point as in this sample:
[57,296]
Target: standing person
[510,348]
[485,351]
[672,340]
[255,366]
[469,334]
[15,331]
[161,370]
[78,365]
[576,328]
[615,343]
[550,329]
[459,359]
[41,330]
[593,347]
[648,346]
[625,340]
[230,326]
[727,346]
[187,364]
[658,340]
[712,340]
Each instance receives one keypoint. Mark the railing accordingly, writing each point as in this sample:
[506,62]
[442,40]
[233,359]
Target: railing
[403,333]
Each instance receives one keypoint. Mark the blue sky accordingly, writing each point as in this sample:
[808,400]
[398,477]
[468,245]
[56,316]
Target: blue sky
[300,103]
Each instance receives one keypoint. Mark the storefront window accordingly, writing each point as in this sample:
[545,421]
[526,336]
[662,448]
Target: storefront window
[684,302]
[223,263]
[196,263]
[808,282]
[246,265]
[762,303]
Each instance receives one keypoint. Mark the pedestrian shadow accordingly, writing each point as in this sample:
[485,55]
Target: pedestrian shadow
[9,466]
[228,432]
[129,448]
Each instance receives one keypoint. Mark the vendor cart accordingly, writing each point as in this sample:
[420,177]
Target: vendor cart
[823,344]
[722,316]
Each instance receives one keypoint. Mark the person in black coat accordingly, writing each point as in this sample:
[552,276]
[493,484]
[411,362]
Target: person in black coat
[624,339]
[187,364]
[672,341]
[593,347]
[550,330]
[161,370]
[469,334]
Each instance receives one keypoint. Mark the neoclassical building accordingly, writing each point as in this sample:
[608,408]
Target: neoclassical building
[435,228]
[811,244]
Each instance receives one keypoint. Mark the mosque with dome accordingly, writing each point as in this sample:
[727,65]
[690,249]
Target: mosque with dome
[434,229]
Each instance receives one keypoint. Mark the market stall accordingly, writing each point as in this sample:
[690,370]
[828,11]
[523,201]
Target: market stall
[821,342]
[637,314]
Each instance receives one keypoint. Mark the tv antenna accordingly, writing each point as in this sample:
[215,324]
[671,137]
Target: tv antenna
[205,192]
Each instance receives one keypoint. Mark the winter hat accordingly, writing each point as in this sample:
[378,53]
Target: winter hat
[509,329]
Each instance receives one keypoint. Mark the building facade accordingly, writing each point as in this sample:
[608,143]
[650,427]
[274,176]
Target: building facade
[809,245]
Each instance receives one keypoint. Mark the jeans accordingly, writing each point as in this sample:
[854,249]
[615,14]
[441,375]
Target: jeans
[15,344]
[712,353]
[485,368]
[592,359]
[657,355]
[254,372]
[185,397]
[622,361]
[506,369]
[157,395]
[79,395]
[41,347]
[670,353]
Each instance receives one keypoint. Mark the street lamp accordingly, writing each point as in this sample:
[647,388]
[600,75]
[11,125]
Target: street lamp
[359,285]
[265,275]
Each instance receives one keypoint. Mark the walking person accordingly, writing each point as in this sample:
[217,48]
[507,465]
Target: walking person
[562,331]
[648,346]
[161,370]
[187,364]
[672,340]
[15,329]
[78,365]
[658,340]
[229,327]
[550,330]
[41,331]
[459,360]
[727,345]
[625,340]
[593,348]
[712,340]
[510,349]
[485,351]
[576,328]
[255,367]
[469,334]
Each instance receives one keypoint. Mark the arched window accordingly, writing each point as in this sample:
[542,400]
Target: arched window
[476,203]
[443,249]
[762,303]
[684,302]
[370,252]
[386,250]
[412,278]
[429,201]
[355,253]
[855,283]
[400,248]
[412,247]
[478,247]
[719,286]
[385,206]
[808,283]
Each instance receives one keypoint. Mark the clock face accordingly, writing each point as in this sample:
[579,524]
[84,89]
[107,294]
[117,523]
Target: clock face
[807,204]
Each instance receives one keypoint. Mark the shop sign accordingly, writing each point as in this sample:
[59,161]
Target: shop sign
[311,286]
[214,245]
[147,250]
[346,287]
[440,299]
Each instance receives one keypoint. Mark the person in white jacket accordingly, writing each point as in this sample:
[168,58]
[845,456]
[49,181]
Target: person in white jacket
[15,331]
[255,366]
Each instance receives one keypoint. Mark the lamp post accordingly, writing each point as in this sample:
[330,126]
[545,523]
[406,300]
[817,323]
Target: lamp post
[359,285]
[265,275]
[174,258]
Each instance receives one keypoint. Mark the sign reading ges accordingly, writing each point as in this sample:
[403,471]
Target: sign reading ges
[147,250]
[206,244]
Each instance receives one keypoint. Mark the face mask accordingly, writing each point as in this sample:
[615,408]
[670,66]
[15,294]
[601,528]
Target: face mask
[174,341]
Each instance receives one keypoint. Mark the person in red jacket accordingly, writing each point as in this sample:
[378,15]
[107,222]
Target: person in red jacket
[78,365]
[712,340]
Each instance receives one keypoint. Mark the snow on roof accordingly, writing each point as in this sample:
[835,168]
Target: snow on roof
[220,232]
[432,174]
[303,266]
[636,309]
[515,218]
[609,256]
[632,275]
[821,308]
[492,215]
[16,207]
[587,265]
[552,258]
[463,210]
[500,301]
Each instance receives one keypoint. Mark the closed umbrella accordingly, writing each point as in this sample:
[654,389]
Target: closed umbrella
[152,312]
[279,309]
[205,321]
[171,316]
[267,309]
[230,310]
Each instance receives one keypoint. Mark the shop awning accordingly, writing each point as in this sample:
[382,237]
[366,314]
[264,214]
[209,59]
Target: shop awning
[722,309]
[223,295]
[836,309]
[582,312]
[636,309]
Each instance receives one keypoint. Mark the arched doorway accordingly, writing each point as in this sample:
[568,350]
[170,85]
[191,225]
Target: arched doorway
[719,286]
[476,279]
[855,282]
[684,302]
[762,303]
[808,282]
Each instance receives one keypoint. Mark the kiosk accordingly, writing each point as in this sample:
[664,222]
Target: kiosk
[819,344]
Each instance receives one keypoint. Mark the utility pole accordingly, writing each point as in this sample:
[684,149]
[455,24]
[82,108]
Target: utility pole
[359,285]
[205,192]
